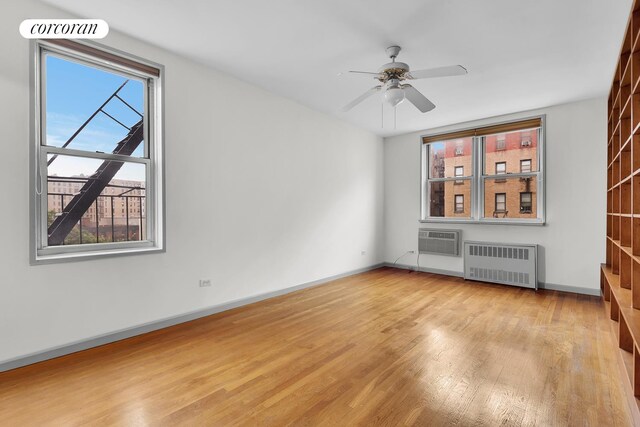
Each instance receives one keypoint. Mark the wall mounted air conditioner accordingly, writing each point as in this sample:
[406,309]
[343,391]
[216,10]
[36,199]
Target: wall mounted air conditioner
[436,241]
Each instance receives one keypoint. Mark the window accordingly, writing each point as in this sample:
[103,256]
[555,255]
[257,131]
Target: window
[97,162]
[446,170]
[525,203]
[501,169]
[487,174]
[501,203]
[459,172]
[525,139]
[459,203]
[459,148]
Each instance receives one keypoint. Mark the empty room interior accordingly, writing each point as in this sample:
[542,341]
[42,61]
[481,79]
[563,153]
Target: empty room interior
[330,213]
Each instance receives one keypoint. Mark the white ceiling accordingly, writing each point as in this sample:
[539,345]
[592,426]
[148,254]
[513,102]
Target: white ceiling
[520,54]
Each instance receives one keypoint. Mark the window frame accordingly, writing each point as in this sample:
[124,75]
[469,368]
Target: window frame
[478,176]
[495,206]
[455,203]
[522,193]
[525,160]
[96,55]
[458,181]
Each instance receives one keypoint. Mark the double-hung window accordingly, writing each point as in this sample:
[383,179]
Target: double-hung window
[501,204]
[500,172]
[459,172]
[97,168]
[459,208]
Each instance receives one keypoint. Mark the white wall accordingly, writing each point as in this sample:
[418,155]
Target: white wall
[573,240]
[262,194]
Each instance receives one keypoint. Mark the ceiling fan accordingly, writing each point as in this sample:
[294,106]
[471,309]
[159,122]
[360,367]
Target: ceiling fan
[391,76]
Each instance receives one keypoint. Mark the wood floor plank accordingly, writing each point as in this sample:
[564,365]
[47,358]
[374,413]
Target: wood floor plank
[386,347]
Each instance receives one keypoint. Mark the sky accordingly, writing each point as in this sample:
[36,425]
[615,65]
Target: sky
[73,92]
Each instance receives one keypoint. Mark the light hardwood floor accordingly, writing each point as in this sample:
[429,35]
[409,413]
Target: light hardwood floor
[387,347]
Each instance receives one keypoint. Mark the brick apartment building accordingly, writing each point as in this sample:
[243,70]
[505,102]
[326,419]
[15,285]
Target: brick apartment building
[120,208]
[504,197]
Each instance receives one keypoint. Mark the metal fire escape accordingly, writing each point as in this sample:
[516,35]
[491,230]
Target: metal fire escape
[91,190]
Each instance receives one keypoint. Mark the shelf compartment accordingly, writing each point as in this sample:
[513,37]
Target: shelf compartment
[625,270]
[615,201]
[615,171]
[636,371]
[625,232]
[615,227]
[609,177]
[609,204]
[604,287]
[635,287]
[625,197]
[625,338]
[615,260]
[625,161]
[636,195]
[635,150]
[636,236]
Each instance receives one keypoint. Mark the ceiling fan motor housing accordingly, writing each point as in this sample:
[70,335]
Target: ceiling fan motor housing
[394,70]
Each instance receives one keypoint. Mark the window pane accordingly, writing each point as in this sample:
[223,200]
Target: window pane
[95,201]
[516,146]
[502,197]
[445,195]
[73,94]
[446,155]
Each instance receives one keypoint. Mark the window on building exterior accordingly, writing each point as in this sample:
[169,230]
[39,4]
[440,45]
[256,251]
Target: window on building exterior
[508,172]
[98,151]
[459,148]
[501,203]
[525,203]
[459,203]
[459,173]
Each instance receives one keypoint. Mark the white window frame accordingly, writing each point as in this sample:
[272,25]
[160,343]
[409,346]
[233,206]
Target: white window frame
[478,176]
[455,173]
[153,157]
[455,203]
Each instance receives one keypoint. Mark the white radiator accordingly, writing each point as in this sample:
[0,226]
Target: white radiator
[501,263]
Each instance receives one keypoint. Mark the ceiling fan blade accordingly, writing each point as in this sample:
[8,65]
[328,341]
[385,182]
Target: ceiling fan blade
[361,98]
[416,98]
[375,75]
[452,70]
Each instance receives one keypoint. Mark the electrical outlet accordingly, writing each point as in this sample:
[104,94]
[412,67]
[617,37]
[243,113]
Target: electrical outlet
[412,252]
[363,252]
[204,283]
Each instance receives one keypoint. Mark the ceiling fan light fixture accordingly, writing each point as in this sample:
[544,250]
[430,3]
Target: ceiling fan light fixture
[394,94]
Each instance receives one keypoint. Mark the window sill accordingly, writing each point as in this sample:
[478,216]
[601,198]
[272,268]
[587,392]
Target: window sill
[92,255]
[488,221]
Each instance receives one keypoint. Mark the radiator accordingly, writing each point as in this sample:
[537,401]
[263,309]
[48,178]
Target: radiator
[506,264]
[439,242]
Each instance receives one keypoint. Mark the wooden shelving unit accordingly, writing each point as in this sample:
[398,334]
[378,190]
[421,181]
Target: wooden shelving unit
[620,275]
